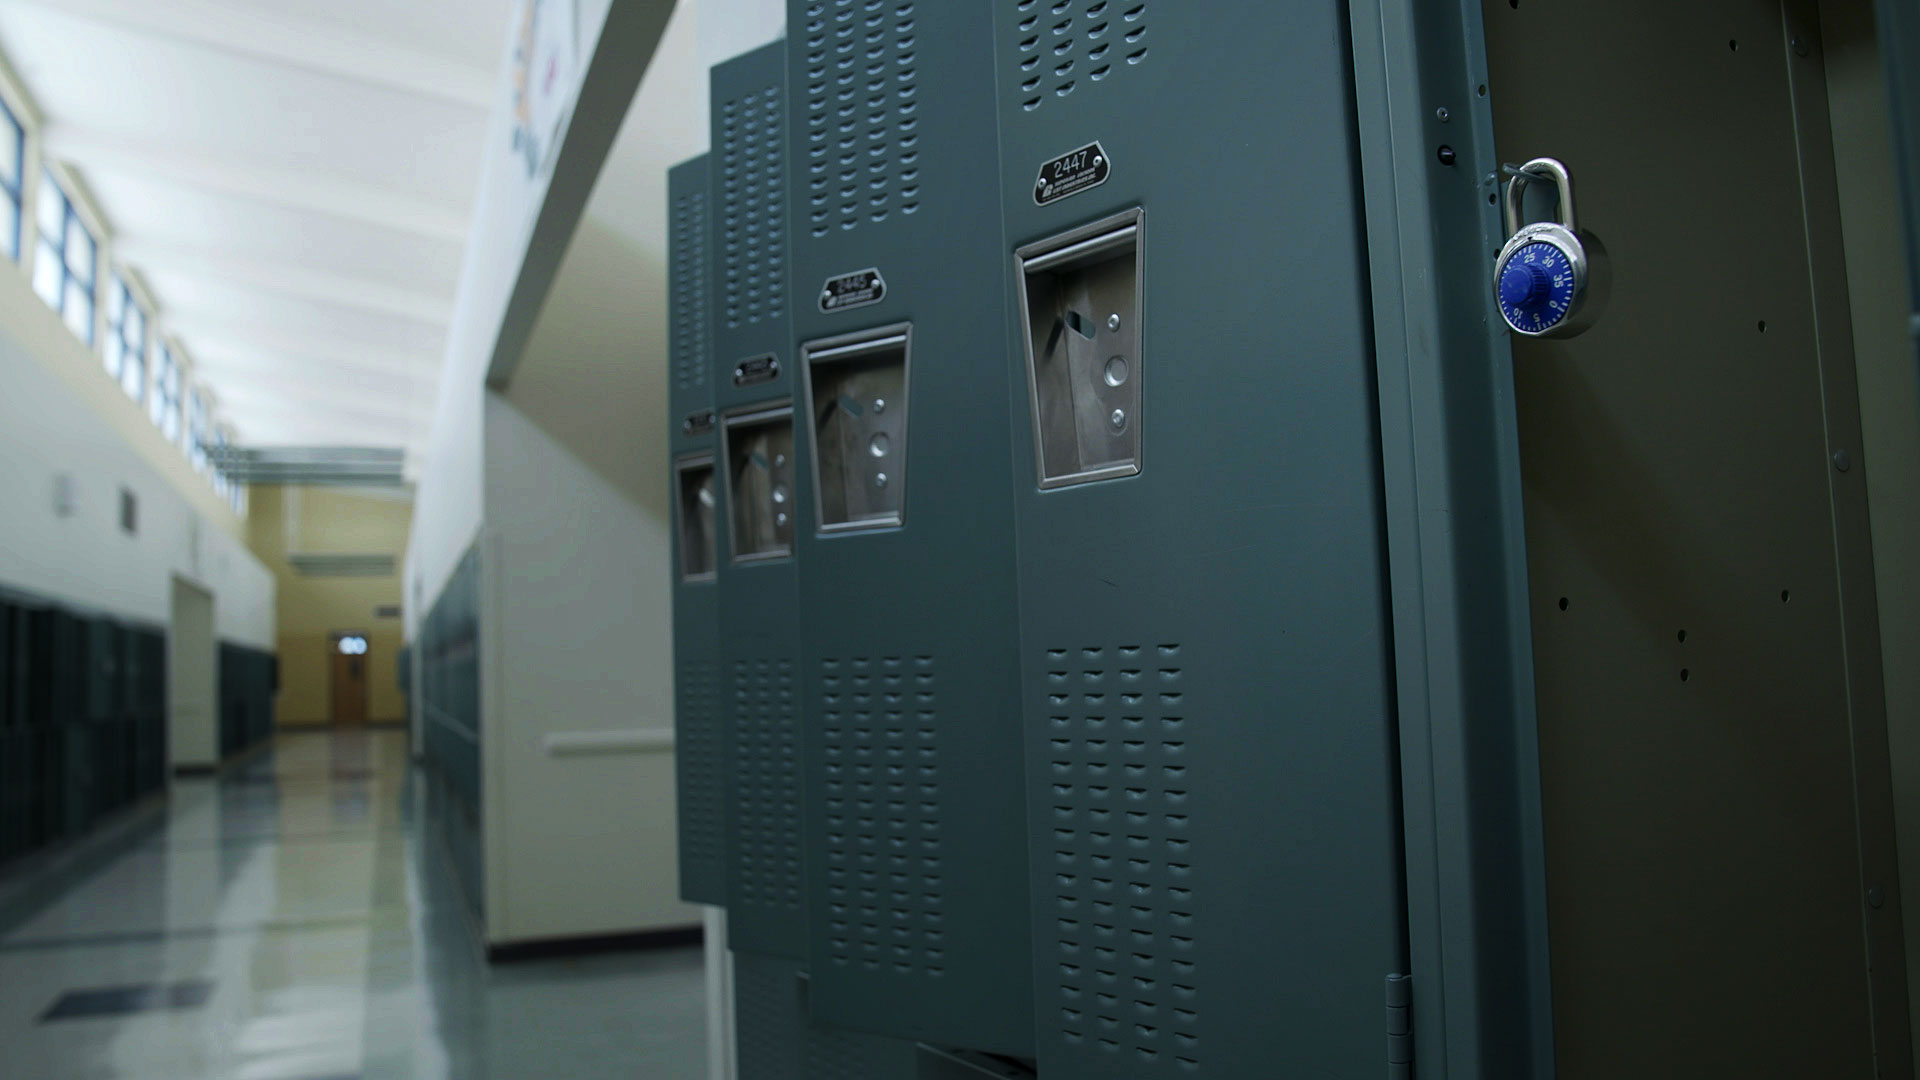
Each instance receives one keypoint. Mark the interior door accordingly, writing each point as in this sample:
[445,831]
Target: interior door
[349,694]
[1721,876]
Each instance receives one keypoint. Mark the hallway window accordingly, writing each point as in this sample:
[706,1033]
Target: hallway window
[166,393]
[126,355]
[64,270]
[197,430]
[236,491]
[13,156]
[221,486]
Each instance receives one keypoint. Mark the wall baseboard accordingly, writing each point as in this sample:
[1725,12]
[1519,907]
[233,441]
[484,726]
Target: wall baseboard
[553,948]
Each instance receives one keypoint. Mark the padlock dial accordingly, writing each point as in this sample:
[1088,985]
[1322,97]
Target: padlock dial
[1536,287]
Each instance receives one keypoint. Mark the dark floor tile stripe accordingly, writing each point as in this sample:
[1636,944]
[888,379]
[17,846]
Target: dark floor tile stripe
[122,1000]
[272,839]
[184,933]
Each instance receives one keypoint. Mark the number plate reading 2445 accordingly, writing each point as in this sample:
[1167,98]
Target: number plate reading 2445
[852,291]
[1071,174]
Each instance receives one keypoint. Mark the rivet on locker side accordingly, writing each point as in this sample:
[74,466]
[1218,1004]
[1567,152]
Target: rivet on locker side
[1551,279]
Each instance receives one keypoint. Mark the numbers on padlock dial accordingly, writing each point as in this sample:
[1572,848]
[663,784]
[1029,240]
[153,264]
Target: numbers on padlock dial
[1537,287]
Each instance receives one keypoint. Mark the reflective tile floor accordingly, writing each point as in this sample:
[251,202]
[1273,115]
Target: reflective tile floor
[292,920]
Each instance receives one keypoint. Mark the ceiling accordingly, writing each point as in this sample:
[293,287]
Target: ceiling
[292,179]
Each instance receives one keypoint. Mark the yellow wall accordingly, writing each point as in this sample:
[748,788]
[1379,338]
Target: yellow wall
[326,521]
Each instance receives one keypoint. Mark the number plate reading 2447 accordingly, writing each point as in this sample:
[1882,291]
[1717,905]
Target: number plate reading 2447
[1071,174]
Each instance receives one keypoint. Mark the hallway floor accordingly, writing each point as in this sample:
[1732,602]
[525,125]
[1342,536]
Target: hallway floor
[291,920]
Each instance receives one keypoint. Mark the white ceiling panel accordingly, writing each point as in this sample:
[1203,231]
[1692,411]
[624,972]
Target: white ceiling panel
[198,304]
[153,214]
[293,181]
[101,80]
[470,31]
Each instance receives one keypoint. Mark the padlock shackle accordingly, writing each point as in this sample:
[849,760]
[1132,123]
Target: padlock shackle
[1540,168]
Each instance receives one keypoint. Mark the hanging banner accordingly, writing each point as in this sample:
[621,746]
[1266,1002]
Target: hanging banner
[545,79]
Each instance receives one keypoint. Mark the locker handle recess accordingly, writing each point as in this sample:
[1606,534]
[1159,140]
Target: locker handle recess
[758,448]
[1081,302]
[699,507]
[857,397]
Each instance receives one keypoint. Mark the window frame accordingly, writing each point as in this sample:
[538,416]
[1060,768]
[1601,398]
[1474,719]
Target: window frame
[16,190]
[116,353]
[164,409]
[220,482]
[46,247]
[197,429]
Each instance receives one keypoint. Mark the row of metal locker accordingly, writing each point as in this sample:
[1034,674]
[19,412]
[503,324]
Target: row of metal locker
[1105,635]
[449,707]
[82,722]
[83,718]
[249,679]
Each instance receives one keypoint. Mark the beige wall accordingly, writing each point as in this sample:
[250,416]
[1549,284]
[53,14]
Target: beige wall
[578,707]
[327,521]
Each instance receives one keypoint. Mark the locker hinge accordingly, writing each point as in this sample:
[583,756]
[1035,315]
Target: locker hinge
[1399,1027]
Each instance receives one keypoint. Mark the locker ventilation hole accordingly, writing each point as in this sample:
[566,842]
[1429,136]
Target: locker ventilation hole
[1059,42]
[751,166]
[766,781]
[689,316]
[703,756]
[862,113]
[1121,891]
[886,899]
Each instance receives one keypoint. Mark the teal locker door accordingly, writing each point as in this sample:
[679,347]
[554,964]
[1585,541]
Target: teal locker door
[700,747]
[916,843]
[761,495]
[1212,797]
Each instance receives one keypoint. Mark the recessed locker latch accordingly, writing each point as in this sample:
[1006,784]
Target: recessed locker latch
[1551,277]
[1399,1027]
[1081,301]
[857,396]
[698,513]
[758,450]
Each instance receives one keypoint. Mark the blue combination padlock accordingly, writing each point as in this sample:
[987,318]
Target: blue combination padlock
[1551,277]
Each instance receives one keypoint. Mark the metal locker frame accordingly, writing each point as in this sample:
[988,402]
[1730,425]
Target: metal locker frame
[1482,1003]
[1476,888]
[916,847]
[1898,25]
[700,747]
[758,597]
[1214,807]
[936,1064]
[780,1040]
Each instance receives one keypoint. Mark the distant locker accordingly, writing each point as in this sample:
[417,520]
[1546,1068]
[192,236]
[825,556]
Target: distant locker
[700,744]
[758,588]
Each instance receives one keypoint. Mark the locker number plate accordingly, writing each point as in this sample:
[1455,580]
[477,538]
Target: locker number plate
[757,370]
[852,290]
[1072,173]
